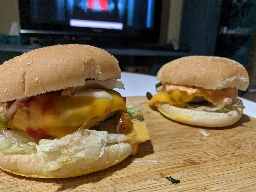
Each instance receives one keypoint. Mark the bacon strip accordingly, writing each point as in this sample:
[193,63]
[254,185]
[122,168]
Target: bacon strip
[124,122]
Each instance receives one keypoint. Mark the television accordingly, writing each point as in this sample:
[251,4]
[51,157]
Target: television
[105,23]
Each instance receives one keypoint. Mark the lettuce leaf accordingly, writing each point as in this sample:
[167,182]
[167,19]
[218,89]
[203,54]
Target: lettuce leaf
[3,111]
[226,106]
[16,142]
[134,113]
[85,144]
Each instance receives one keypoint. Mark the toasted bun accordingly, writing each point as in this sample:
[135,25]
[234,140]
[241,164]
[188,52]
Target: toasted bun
[208,72]
[200,118]
[39,165]
[54,68]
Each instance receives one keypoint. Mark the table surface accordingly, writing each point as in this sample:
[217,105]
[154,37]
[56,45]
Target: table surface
[139,84]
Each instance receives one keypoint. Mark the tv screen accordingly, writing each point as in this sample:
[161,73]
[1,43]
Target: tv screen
[92,21]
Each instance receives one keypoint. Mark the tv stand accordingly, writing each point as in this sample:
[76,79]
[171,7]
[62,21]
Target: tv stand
[129,58]
[154,52]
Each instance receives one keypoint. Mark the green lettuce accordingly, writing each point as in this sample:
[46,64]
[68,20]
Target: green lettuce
[16,142]
[134,113]
[88,145]
[3,121]
[226,106]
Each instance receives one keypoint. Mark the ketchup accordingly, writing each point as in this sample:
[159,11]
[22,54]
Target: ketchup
[37,134]
[47,105]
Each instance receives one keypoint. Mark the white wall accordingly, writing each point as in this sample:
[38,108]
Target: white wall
[170,22]
[8,14]
[174,22]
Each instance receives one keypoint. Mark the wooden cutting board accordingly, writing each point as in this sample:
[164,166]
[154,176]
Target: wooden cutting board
[223,161]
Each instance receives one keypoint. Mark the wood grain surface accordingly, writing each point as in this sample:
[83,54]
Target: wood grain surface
[223,161]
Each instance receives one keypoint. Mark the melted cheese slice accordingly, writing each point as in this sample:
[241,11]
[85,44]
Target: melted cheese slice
[179,95]
[137,135]
[58,116]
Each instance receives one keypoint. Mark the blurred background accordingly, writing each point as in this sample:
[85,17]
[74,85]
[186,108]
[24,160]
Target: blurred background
[143,35]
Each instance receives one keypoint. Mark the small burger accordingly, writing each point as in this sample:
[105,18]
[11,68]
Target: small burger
[59,114]
[201,91]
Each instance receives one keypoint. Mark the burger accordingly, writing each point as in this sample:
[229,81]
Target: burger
[60,115]
[200,91]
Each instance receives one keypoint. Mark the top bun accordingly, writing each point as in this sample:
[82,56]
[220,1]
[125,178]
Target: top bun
[208,72]
[54,68]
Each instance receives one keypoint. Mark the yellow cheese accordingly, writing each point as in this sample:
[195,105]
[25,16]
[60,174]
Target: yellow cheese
[137,135]
[179,95]
[176,98]
[58,116]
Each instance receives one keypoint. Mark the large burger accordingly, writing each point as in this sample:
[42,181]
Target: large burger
[201,90]
[60,116]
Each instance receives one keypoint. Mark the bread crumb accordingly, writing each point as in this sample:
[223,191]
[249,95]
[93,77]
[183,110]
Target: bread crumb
[6,91]
[204,133]
[36,79]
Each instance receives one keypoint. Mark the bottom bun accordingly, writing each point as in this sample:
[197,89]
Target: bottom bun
[80,153]
[200,118]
